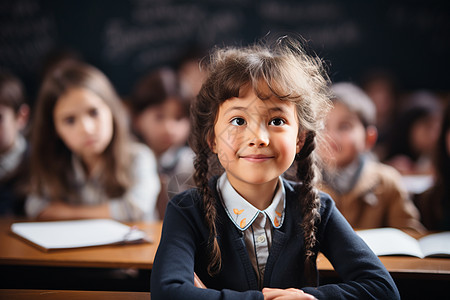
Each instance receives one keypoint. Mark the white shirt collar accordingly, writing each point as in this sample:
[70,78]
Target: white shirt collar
[77,165]
[11,159]
[242,213]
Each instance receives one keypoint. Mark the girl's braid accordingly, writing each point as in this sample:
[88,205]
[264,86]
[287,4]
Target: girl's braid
[201,180]
[309,200]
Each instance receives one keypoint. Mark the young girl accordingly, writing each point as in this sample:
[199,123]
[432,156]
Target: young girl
[412,141]
[160,117]
[83,162]
[434,203]
[249,233]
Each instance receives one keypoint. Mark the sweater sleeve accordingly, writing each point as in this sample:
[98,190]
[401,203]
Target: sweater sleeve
[139,202]
[362,274]
[173,269]
[34,205]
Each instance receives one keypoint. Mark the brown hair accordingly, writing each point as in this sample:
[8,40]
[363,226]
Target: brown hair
[155,88]
[291,75]
[435,205]
[52,174]
[12,93]
[356,101]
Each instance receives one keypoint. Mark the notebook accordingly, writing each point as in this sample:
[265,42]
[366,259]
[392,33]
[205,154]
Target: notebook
[392,241]
[77,233]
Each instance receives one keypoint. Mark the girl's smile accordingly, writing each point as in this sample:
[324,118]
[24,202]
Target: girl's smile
[256,157]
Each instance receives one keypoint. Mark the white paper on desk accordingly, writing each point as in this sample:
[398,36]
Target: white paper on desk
[436,244]
[390,241]
[78,233]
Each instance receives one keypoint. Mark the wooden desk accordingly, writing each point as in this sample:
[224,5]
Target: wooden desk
[410,273]
[14,251]
[114,267]
[404,267]
[416,278]
[14,294]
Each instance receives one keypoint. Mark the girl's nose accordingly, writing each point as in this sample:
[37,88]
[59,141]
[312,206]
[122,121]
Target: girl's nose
[87,125]
[170,127]
[260,137]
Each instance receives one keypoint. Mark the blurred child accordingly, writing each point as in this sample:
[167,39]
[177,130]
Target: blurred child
[369,194]
[14,114]
[382,88]
[434,204]
[84,163]
[247,233]
[160,117]
[189,71]
[415,135]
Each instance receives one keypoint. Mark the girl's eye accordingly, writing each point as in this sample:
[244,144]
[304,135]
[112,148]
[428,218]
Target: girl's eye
[69,120]
[160,116]
[345,126]
[238,122]
[277,122]
[93,112]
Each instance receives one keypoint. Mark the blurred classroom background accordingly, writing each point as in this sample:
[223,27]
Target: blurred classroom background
[397,51]
[126,39]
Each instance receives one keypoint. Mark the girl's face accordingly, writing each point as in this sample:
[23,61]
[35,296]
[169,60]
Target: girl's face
[425,133]
[346,137]
[255,140]
[163,126]
[84,122]
[9,128]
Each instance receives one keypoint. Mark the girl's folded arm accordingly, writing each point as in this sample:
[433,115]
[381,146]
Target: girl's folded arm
[173,268]
[361,272]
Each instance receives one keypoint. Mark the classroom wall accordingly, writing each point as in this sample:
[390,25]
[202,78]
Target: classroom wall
[127,38]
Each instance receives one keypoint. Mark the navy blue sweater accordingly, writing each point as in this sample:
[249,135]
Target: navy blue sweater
[183,249]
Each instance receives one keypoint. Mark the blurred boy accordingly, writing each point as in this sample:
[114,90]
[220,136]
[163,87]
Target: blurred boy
[13,146]
[369,194]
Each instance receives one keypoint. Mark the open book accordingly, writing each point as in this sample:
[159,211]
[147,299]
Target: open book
[391,241]
[78,233]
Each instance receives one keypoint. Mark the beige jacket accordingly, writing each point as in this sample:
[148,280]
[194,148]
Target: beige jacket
[378,200]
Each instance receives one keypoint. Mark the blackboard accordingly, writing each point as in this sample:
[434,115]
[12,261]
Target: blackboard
[125,39]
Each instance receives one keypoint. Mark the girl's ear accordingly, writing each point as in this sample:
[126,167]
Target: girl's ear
[371,136]
[23,115]
[300,141]
[212,144]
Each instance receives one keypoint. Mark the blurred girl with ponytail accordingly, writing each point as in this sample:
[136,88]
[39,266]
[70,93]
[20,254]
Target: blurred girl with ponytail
[246,232]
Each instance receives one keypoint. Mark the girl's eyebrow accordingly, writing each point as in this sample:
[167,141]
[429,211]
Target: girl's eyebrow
[244,108]
[277,109]
[65,115]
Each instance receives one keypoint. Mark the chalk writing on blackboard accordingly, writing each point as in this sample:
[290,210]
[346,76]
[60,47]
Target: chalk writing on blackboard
[324,24]
[157,33]
[26,32]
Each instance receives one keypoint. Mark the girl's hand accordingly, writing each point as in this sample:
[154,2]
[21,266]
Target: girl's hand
[198,283]
[58,210]
[286,294]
